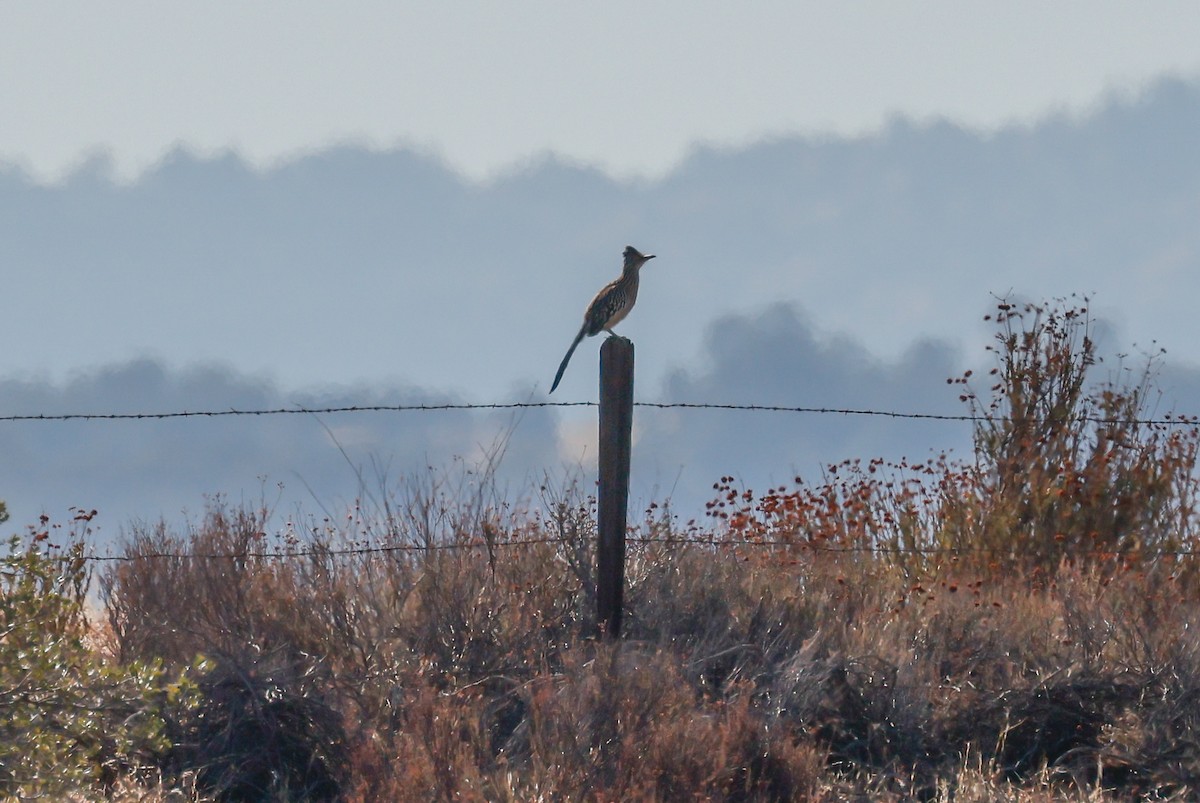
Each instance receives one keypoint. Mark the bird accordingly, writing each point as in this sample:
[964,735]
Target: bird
[610,306]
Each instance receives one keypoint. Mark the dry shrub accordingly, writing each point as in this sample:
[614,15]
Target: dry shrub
[1064,468]
[441,752]
[1067,467]
[262,732]
[621,723]
[750,672]
[211,591]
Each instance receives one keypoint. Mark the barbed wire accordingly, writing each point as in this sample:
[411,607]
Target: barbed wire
[713,542]
[1168,420]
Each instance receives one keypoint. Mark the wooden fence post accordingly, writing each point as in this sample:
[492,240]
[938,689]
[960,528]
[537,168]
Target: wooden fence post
[616,429]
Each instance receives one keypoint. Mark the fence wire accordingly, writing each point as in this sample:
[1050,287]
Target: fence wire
[711,542]
[1167,420]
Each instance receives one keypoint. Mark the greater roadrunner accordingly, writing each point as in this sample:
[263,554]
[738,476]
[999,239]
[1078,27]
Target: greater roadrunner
[610,306]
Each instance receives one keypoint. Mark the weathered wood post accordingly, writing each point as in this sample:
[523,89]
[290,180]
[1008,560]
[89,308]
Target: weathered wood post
[616,431]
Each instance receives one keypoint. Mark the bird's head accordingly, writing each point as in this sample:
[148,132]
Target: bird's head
[635,258]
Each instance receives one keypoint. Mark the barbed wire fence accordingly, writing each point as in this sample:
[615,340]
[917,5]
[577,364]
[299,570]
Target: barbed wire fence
[670,541]
[1166,420]
[711,541]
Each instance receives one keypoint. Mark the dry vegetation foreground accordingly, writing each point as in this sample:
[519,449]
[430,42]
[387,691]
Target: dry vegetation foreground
[747,673]
[1022,627]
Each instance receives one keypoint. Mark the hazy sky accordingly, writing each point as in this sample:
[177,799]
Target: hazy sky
[629,86]
[354,275]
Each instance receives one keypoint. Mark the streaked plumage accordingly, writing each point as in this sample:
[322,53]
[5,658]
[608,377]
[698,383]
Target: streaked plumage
[610,306]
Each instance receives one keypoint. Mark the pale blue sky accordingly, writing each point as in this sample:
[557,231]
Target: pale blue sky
[806,270]
[629,86]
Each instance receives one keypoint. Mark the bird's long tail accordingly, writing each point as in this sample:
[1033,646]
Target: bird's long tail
[563,366]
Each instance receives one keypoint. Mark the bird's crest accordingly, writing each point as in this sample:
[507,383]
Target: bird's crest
[635,257]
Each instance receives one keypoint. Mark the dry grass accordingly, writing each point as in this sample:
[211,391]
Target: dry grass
[1016,628]
[747,673]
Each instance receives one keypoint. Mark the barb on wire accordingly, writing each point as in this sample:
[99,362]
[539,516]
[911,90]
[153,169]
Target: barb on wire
[370,408]
[712,542]
[1168,420]
[311,552]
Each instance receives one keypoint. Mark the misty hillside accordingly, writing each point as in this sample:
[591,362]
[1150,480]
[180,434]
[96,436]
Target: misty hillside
[802,271]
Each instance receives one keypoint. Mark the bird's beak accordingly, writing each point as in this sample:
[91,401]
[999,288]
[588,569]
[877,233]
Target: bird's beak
[649,257]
